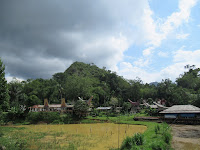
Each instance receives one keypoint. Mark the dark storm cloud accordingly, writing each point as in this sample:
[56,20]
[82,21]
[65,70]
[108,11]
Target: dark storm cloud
[39,38]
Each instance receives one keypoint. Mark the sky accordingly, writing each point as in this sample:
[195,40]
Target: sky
[147,39]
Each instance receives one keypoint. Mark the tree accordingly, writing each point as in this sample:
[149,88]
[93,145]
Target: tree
[126,107]
[4,96]
[114,102]
[81,108]
[17,96]
[190,79]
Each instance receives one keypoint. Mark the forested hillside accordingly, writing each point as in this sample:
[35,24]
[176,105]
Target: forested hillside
[86,80]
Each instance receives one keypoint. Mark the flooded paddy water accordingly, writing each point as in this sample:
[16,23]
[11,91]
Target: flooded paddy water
[100,136]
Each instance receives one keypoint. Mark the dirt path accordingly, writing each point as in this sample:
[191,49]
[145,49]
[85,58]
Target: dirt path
[186,137]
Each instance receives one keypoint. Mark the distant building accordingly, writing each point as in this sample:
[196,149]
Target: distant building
[182,111]
[104,108]
[63,107]
[160,107]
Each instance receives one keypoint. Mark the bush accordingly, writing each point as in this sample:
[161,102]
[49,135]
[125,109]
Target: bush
[132,142]
[155,146]
[1,133]
[160,146]
[3,118]
[48,117]
[113,114]
[66,118]
[34,117]
[57,122]
[167,137]
[138,139]
[15,114]
[21,144]
[127,143]
[157,129]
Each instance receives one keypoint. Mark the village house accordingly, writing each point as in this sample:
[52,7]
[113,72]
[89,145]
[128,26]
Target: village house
[182,111]
[186,114]
[63,107]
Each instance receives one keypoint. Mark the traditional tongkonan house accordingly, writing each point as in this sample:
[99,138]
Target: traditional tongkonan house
[63,107]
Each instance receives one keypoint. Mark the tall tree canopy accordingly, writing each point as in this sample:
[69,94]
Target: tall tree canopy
[4,96]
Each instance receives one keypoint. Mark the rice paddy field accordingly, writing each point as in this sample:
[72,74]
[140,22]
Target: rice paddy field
[99,136]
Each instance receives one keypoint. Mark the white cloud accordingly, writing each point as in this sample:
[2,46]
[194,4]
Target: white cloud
[141,62]
[129,71]
[9,78]
[172,22]
[156,33]
[163,54]
[182,36]
[181,58]
[148,51]
[188,57]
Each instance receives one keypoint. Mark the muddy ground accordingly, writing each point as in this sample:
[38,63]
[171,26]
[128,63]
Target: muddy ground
[186,137]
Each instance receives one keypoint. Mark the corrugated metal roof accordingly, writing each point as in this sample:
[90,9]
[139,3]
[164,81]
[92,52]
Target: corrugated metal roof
[54,105]
[51,106]
[103,108]
[37,106]
[153,106]
[182,109]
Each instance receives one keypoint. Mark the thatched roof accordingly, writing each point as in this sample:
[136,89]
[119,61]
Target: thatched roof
[181,109]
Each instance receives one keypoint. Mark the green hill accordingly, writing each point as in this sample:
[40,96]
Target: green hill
[84,80]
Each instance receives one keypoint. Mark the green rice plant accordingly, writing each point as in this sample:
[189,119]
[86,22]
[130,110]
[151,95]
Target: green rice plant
[138,139]
[1,133]
[21,144]
[127,143]
[157,129]
[167,137]
[156,146]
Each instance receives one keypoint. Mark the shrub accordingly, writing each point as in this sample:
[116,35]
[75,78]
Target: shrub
[48,117]
[167,137]
[56,122]
[21,144]
[127,143]
[66,118]
[157,129]
[132,142]
[138,139]
[156,146]
[34,117]
[1,133]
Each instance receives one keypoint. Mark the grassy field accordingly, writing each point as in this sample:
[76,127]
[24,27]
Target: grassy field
[87,135]
[82,136]
[160,140]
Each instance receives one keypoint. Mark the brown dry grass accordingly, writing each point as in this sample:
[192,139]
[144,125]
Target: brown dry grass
[98,136]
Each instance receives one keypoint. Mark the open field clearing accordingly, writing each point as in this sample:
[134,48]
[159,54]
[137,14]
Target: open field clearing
[81,136]
[186,137]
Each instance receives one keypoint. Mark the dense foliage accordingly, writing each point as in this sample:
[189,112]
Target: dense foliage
[4,97]
[106,87]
